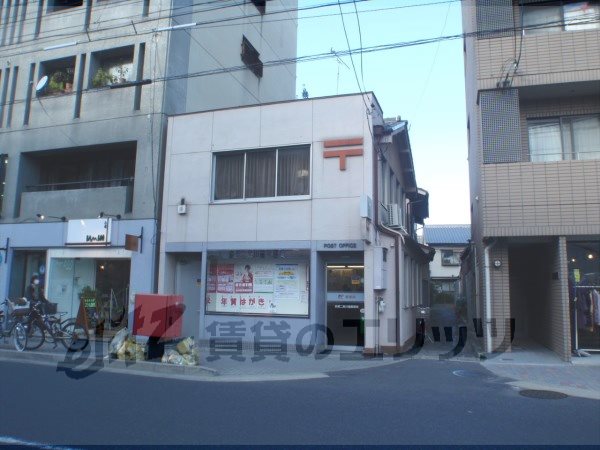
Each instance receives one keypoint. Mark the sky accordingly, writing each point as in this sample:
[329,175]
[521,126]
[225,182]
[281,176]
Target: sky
[423,84]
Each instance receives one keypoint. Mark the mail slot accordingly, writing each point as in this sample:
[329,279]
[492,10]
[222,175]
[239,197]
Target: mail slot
[158,316]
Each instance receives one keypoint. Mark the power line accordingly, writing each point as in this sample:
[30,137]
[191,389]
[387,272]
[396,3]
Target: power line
[221,22]
[350,49]
[362,73]
[219,63]
[371,49]
[172,16]
[437,49]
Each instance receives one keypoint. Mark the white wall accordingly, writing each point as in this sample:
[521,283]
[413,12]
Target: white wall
[332,210]
[440,271]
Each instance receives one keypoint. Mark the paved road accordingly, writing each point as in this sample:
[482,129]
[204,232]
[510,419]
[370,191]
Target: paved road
[408,402]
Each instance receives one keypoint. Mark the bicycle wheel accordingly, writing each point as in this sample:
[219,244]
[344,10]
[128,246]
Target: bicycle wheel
[73,336]
[19,335]
[35,335]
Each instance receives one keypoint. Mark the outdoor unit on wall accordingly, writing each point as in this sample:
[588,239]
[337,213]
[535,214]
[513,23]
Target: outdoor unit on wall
[394,216]
[383,214]
[380,268]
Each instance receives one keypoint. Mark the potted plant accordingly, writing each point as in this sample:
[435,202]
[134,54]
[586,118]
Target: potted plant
[102,78]
[69,76]
[56,82]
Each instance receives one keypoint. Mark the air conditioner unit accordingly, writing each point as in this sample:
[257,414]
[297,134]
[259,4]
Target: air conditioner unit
[383,214]
[394,216]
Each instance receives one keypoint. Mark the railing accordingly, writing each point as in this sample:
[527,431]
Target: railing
[89,184]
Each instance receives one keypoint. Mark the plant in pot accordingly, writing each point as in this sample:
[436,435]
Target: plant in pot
[102,78]
[69,77]
[56,82]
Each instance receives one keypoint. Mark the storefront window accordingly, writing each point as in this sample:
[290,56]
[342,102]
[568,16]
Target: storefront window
[258,282]
[101,284]
[26,264]
[584,292]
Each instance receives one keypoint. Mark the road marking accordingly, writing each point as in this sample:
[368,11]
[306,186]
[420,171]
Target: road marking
[8,440]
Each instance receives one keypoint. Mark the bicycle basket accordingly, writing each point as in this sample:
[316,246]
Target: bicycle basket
[18,307]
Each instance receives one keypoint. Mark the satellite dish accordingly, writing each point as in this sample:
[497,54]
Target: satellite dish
[41,85]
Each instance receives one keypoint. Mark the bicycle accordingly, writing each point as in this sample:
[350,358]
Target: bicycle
[10,325]
[42,325]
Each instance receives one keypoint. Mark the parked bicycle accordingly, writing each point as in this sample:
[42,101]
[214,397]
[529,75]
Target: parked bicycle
[44,324]
[11,326]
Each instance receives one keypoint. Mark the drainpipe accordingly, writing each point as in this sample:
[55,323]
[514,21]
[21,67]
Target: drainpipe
[488,298]
[396,237]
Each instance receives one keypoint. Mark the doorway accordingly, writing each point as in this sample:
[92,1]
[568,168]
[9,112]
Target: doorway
[188,283]
[112,291]
[345,295]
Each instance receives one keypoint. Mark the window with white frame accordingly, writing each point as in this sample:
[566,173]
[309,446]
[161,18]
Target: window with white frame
[553,16]
[450,258]
[264,173]
[564,138]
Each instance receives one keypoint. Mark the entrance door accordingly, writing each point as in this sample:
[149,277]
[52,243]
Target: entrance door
[112,291]
[345,304]
[188,277]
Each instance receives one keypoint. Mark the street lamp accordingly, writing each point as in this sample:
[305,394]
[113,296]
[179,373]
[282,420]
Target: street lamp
[44,217]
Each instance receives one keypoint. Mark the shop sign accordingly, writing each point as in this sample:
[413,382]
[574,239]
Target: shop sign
[89,232]
[336,246]
[345,296]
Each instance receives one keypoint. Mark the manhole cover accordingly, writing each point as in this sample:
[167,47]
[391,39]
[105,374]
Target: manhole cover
[545,395]
[469,374]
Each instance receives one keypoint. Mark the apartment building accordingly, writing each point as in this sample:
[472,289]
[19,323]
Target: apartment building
[85,90]
[533,103]
[294,223]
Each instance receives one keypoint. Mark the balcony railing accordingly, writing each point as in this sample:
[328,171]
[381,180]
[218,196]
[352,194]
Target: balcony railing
[89,184]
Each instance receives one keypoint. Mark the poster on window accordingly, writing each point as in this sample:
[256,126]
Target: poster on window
[225,278]
[286,283]
[262,288]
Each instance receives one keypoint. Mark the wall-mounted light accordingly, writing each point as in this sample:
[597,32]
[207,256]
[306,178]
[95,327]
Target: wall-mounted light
[63,45]
[44,217]
[497,263]
[102,215]
[590,256]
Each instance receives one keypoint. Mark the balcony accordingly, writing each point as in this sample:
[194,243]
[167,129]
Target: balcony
[78,199]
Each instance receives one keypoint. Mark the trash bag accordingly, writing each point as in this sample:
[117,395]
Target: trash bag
[172,357]
[130,350]
[117,341]
[186,346]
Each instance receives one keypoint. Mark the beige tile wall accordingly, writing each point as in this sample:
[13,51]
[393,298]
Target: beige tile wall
[559,338]
[564,56]
[545,199]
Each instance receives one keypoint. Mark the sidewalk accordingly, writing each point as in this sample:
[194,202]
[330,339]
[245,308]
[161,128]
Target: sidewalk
[535,367]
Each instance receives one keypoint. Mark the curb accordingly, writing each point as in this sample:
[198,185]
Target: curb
[158,370]
[106,363]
